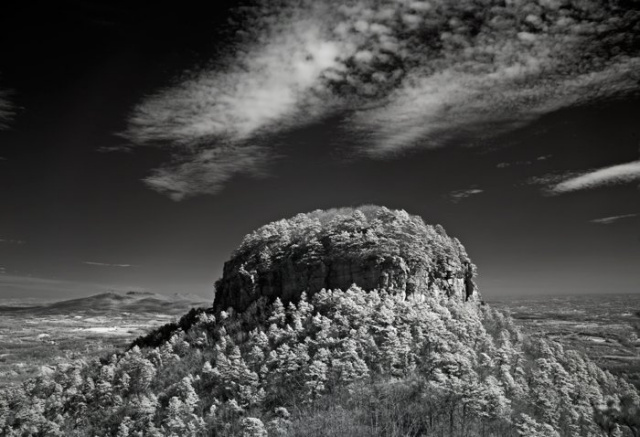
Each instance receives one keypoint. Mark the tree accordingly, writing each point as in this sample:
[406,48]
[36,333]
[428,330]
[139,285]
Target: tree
[528,427]
[253,427]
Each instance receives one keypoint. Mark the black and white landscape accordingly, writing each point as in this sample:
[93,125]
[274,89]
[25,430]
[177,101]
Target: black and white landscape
[320,218]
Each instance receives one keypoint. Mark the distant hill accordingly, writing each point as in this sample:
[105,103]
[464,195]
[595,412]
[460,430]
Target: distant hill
[112,302]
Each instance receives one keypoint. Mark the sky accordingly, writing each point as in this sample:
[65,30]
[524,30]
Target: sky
[138,145]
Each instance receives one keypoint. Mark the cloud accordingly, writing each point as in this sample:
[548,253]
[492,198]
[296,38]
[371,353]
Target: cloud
[119,148]
[401,73]
[550,179]
[214,120]
[612,219]
[206,171]
[616,174]
[458,195]
[12,241]
[526,162]
[92,263]
[6,109]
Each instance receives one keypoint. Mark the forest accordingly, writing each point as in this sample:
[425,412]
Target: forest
[348,362]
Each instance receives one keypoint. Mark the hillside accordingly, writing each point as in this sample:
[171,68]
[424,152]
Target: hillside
[385,360]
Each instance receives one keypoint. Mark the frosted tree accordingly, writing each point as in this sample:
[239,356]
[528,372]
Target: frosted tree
[544,396]
[495,405]
[529,427]
[174,422]
[316,379]
[630,410]
[124,428]
[253,427]
[278,313]
[280,425]
[346,364]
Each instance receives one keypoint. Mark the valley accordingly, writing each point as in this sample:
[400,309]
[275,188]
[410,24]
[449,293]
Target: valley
[605,327]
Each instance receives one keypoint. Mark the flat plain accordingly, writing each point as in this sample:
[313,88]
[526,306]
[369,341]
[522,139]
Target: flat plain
[604,327]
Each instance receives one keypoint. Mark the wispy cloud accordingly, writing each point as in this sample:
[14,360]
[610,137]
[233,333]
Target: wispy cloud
[405,73]
[526,162]
[99,264]
[12,241]
[215,119]
[615,174]
[6,109]
[458,195]
[613,219]
[550,179]
[119,148]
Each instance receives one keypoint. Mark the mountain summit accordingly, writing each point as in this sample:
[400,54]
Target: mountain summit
[370,246]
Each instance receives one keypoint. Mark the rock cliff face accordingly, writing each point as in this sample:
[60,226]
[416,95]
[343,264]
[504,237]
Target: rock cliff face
[372,247]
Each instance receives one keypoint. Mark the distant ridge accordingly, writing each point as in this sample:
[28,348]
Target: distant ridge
[140,293]
[111,302]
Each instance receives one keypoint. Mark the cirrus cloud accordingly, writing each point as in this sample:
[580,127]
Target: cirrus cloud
[404,73]
[613,219]
[11,241]
[101,264]
[612,175]
[6,109]
[458,195]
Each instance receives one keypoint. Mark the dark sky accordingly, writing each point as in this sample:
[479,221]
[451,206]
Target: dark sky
[543,195]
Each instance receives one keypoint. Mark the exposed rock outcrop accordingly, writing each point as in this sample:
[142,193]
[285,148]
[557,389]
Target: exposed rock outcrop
[372,247]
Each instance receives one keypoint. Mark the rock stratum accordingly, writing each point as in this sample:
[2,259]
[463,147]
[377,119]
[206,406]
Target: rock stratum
[372,247]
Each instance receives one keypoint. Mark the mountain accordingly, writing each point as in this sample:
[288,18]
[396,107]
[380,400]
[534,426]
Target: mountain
[373,247]
[113,303]
[414,355]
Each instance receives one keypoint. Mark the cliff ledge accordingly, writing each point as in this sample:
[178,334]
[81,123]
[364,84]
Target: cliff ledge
[370,246]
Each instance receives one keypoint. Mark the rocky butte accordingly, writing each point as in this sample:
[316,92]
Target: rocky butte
[370,246]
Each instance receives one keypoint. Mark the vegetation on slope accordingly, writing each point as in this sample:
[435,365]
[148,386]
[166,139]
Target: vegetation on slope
[347,363]
[364,232]
[342,362]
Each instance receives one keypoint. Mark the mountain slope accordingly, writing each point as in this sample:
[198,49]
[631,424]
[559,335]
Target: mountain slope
[341,362]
